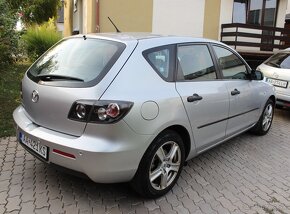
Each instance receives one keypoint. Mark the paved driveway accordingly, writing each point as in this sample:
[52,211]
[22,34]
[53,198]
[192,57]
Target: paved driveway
[248,174]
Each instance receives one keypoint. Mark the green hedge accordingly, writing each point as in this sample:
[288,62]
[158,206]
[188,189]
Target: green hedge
[38,39]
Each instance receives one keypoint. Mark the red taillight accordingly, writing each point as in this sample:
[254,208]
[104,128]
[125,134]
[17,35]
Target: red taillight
[113,110]
[68,155]
[102,111]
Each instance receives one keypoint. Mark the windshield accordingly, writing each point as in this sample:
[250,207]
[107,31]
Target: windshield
[279,60]
[77,61]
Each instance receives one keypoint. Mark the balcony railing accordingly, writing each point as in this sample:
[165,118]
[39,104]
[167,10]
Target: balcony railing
[252,38]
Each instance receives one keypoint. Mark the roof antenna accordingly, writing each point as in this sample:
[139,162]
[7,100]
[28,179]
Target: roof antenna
[118,31]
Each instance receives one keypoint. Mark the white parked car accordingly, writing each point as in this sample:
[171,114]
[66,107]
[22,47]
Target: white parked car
[276,71]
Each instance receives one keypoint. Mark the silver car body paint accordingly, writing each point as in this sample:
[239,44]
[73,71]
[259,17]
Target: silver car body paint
[112,152]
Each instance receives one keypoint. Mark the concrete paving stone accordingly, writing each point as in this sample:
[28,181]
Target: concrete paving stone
[13,204]
[165,206]
[221,210]
[27,195]
[227,204]
[27,207]
[6,175]
[151,205]
[27,183]
[55,206]
[40,187]
[178,191]
[181,209]
[68,198]
[205,207]
[3,198]
[188,203]
[14,190]
[71,209]
[29,164]
[18,169]
[9,157]
[193,195]
[43,210]
[139,209]
[41,200]
[7,166]
[4,185]
[2,209]
[16,179]
[114,210]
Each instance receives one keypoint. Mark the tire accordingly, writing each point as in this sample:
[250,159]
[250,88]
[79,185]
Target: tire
[264,124]
[158,172]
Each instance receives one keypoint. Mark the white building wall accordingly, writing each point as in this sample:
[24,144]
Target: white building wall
[281,13]
[226,13]
[178,17]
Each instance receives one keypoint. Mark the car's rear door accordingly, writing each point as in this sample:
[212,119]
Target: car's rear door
[205,98]
[244,93]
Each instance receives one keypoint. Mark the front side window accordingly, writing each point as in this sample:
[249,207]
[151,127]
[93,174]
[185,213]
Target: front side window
[195,63]
[279,60]
[231,66]
[76,60]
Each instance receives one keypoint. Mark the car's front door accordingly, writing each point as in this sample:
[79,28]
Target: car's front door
[205,98]
[243,92]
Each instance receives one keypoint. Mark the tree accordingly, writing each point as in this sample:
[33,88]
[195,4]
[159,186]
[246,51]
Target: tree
[35,11]
[8,36]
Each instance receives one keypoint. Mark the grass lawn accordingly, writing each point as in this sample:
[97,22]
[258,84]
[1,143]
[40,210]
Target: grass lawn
[10,77]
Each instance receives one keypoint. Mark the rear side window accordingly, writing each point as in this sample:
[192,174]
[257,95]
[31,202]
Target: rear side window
[231,66]
[279,60]
[161,60]
[76,61]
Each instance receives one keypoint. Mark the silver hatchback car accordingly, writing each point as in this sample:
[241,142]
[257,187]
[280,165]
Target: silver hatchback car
[134,107]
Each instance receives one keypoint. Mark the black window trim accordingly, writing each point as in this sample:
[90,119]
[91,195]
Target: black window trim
[218,76]
[237,55]
[172,56]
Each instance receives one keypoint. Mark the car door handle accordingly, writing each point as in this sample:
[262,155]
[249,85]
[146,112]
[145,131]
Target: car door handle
[235,92]
[194,97]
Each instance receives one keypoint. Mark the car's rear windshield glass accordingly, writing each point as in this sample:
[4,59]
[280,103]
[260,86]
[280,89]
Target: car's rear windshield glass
[76,61]
[279,60]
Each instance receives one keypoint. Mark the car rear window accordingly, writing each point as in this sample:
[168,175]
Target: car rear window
[279,60]
[76,62]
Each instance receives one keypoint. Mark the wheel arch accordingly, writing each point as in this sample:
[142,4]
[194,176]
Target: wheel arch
[273,98]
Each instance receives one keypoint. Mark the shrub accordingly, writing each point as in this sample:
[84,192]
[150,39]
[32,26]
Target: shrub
[8,35]
[38,39]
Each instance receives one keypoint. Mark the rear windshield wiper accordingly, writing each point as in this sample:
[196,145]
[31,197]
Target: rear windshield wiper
[51,77]
[274,64]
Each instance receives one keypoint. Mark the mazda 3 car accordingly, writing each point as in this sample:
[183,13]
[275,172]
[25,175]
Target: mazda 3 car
[276,70]
[135,107]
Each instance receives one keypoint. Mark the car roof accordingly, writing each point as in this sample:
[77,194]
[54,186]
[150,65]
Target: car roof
[133,36]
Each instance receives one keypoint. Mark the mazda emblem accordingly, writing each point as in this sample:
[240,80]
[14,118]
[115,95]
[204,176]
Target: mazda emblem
[35,96]
[275,75]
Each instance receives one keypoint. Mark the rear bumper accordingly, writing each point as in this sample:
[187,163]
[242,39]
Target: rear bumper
[105,153]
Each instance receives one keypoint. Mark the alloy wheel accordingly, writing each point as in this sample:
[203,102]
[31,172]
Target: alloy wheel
[165,165]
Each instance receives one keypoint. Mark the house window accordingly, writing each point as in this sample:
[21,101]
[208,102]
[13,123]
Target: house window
[240,11]
[257,12]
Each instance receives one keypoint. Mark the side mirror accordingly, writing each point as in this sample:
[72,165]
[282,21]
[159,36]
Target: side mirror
[256,75]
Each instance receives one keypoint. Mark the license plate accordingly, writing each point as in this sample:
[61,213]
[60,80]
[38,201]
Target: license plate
[279,83]
[34,145]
